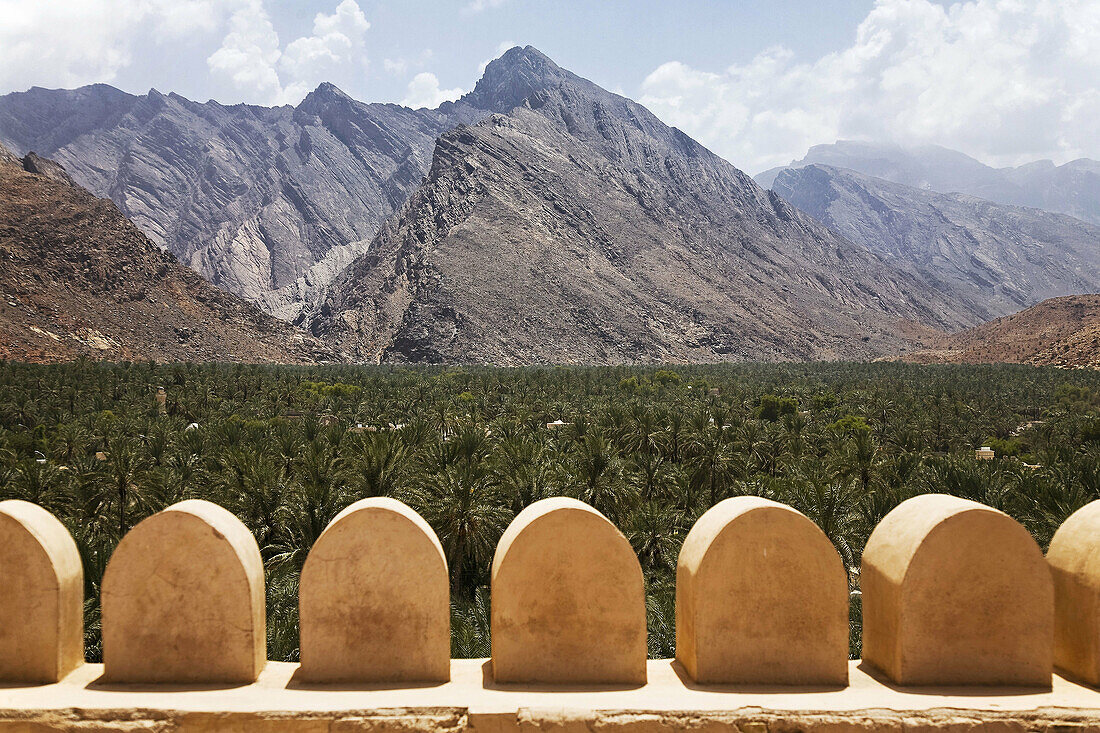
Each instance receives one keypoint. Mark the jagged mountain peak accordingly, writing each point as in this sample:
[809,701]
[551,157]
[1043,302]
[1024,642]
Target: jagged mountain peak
[325,97]
[622,128]
[523,57]
[515,76]
[325,93]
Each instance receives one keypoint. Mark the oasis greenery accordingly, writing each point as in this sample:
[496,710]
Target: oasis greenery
[286,448]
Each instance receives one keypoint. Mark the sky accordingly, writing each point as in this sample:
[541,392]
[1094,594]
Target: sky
[757,81]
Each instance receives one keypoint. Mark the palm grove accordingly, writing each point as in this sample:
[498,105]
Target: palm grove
[286,448]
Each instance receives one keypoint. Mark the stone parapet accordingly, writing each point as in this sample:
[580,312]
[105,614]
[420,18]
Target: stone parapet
[966,625]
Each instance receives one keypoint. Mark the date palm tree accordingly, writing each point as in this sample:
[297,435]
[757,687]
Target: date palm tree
[316,496]
[655,536]
[831,504]
[126,465]
[470,625]
[596,473]
[711,462]
[383,466]
[524,472]
[464,507]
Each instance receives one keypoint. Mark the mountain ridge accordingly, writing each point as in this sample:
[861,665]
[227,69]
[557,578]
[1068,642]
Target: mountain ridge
[997,257]
[1072,188]
[1062,332]
[267,203]
[538,218]
[579,228]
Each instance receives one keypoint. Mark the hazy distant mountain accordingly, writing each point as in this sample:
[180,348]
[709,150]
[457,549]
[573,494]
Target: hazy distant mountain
[1062,332]
[996,258]
[78,278]
[1072,188]
[265,203]
[576,227]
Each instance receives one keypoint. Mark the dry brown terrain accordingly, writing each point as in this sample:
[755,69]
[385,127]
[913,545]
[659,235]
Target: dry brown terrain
[77,278]
[1063,332]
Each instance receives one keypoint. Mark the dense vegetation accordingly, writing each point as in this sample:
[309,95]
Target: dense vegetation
[468,448]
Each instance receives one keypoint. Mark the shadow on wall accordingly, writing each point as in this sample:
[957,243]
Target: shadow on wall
[949,690]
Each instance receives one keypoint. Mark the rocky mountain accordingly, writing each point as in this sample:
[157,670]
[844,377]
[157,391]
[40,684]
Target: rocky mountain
[1062,332]
[1072,188]
[78,278]
[997,258]
[541,219]
[268,204]
[573,226]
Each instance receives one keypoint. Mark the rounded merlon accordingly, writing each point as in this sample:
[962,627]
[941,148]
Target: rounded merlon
[183,600]
[374,599]
[1074,560]
[956,593]
[42,602]
[568,603]
[761,598]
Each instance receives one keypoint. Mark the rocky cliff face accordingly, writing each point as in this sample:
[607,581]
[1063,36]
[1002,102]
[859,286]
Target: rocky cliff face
[1072,188]
[78,278]
[576,227]
[268,204]
[995,258]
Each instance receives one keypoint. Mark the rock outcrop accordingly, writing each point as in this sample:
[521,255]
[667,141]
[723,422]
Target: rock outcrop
[79,279]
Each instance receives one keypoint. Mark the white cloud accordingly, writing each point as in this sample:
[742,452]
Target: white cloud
[1005,80]
[397,67]
[67,43]
[180,19]
[253,60]
[336,39]
[424,91]
[248,54]
[478,6]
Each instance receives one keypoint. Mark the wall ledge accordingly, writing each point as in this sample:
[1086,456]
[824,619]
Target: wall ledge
[472,702]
